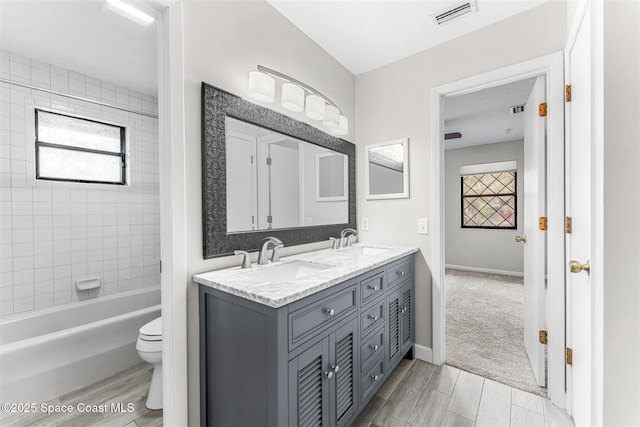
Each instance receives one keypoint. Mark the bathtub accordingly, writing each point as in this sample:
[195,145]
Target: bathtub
[51,352]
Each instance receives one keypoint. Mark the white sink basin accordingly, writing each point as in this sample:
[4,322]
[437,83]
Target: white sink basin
[286,271]
[367,250]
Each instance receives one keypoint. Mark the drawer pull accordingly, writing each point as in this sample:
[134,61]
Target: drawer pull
[374,347]
[372,317]
[331,311]
[335,368]
[373,288]
[329,374]
[374,377]
[400,272]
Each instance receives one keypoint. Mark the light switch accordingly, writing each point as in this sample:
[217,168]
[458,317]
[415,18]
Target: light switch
[364,224]
[423,225]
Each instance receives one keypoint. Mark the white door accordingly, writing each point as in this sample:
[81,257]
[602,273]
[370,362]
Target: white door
[578,208]
[241,183]
[534,246]
[284,186]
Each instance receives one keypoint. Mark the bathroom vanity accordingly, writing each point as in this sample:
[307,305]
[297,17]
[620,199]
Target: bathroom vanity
[304,341]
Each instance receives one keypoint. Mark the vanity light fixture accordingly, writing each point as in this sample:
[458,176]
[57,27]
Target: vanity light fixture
[315,105]
[262,87]
[292,97]
[130,12]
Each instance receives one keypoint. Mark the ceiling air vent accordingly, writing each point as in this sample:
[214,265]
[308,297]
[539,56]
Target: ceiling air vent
[455,12]
[516,109]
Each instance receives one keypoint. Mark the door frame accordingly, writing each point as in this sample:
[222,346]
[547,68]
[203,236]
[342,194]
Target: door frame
[173,225]
[552,67]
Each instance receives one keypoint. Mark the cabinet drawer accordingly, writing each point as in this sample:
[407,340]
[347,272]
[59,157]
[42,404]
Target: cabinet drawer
[372,348]
[398,273]
[372,317]
[308,321]
[372,287]
[371,380]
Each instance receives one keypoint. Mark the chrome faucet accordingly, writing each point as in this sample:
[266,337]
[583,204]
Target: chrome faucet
[345,235]
[335,243]
[277,244]
[246,260]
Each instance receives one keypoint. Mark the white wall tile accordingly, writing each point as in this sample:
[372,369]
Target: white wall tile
[51,233]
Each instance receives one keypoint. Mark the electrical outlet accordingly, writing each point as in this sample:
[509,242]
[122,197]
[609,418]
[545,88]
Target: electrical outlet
[423,225]
[364,224]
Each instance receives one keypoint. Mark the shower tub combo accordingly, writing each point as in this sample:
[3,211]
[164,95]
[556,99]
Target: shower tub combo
[54,351]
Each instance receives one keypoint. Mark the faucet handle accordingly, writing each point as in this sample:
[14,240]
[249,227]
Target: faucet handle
[246,260]
[275,256]
[335,243]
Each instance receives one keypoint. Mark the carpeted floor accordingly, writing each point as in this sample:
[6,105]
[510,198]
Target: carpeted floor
[485,329]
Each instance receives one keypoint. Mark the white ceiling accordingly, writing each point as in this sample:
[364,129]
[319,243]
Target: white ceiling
[85,37]
[366,34]
[483,117]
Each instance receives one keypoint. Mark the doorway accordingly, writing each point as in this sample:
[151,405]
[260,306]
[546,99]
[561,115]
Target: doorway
[551,67]
[485,216]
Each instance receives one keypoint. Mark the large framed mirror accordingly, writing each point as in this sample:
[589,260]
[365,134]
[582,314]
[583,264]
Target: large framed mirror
[387,170]
[267,174]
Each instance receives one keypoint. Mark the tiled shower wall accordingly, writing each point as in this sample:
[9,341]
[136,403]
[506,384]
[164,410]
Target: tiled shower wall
[53,234]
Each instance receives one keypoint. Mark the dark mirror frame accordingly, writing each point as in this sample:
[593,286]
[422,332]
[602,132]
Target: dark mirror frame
[217,104]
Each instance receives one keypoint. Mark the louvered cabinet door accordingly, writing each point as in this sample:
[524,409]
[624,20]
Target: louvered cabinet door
[309,387]
[394,331]
[343,389]
[406,317]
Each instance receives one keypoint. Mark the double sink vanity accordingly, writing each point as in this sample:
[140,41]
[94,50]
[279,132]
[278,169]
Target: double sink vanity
[307,340]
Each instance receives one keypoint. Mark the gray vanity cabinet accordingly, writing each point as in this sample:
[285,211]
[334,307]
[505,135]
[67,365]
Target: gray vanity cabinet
[400,309]
[322,380]
[314,362]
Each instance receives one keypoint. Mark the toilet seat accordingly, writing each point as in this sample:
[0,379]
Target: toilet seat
[152,331]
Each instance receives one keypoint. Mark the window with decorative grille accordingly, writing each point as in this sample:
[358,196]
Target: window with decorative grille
[489,200]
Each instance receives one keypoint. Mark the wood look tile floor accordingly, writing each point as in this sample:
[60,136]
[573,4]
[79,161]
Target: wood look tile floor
[416,394]
[126,387]
[421,394]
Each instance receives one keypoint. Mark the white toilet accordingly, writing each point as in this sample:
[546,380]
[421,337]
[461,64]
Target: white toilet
[149,347]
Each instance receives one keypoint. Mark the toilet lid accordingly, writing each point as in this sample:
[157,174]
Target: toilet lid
[153,328]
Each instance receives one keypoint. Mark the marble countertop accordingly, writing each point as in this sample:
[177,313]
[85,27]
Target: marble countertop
[339,265]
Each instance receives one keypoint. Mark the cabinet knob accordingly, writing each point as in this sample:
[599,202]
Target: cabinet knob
[329,374]
[372,317]
[403,309]
[331,311]
[374,377]
[400,272]
[373,288]
[374,347]
[335,368]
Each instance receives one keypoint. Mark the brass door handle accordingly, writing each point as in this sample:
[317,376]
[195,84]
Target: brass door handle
[522,239]
[576,267]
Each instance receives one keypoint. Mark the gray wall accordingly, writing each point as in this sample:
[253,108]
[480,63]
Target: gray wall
[480,248]
[395,102]
[223,41]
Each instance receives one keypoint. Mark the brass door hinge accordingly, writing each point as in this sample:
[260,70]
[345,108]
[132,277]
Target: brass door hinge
[542,109]
[569,356]
[542,336]
[568,225]
[567,93]
[542,223]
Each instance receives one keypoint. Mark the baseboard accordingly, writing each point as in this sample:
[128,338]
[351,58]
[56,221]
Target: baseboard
[423,353]
[485,270]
